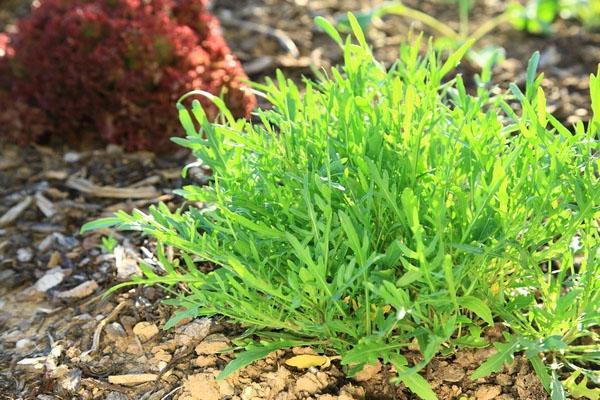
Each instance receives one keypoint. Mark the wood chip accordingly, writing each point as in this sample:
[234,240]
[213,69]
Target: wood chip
[86,187]
[6,164]
[126,262]
[80,291]
[15,212]
[46,206]
[59,175]
[131,379]
[151,180]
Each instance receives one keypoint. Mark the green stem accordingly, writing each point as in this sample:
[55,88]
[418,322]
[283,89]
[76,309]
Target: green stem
[404,11]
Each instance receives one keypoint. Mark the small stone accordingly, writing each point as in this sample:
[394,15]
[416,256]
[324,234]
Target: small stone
[131,379]
[451,373]
[163,356]
[201,387]
[193,332]
[72,157]
[205,361]
[115,331]
[212,344]
[488,392]
[145,330]
[24,255]
[24,344]
[50,279]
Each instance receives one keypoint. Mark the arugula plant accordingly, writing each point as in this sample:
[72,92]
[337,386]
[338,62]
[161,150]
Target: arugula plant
[587,11]
[537,16]
[387,208]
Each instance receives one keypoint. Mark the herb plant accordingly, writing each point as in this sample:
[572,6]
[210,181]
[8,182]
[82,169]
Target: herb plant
[537,16]
[109,243]
[383,208]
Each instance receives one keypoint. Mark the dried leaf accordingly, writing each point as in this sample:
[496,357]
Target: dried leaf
[305,361]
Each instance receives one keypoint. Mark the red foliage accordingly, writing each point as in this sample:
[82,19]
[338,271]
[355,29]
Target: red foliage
[115,68]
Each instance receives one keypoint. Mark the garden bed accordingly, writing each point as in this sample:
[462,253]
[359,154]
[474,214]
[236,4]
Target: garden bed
[52,277]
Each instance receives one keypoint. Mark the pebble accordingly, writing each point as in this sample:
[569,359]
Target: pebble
[50,279]
[72,157]
[115,331]
[488,392]
[212,344]
[24,254]
[193,332]
[145,330]
[24,344]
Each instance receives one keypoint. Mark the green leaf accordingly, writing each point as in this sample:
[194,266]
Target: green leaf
[478,307]
[369,350]
[532,67]
[455,58]
[100,223]
[558,391]
[414,382]
[541,370]
[329,29]
[494,363]
[255,352]
[580,390]
[357,30]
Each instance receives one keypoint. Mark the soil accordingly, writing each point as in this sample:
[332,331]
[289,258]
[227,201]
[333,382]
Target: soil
[61,339]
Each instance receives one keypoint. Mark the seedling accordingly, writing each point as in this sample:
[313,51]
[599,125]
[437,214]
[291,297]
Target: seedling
[446,37]
[383,207]
[443,31]
[109,243]
[537,16]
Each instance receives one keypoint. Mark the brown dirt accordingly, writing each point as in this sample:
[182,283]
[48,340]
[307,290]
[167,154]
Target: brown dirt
[52,278]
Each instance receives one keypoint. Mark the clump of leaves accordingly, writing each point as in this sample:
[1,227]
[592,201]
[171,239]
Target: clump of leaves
[388,207]
[537,16]
[109,243]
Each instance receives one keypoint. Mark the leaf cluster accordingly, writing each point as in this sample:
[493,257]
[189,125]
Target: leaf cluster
[386,208]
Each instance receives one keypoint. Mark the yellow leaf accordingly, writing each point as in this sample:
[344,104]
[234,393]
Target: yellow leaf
[305,361]
[495,288]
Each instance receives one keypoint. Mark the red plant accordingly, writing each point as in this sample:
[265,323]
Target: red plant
[114,68]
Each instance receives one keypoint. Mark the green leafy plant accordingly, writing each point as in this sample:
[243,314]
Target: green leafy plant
[109,243]
[382,208]
[446,37]
[587,11]
[537,16]
[443,31]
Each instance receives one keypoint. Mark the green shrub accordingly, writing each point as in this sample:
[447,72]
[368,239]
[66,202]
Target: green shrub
[381,208]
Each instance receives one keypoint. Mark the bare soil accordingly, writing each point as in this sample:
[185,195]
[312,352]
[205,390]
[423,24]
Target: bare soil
[59,339]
